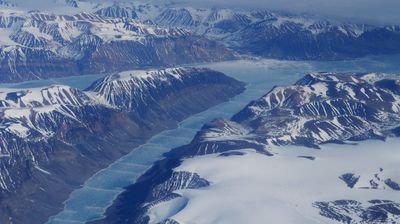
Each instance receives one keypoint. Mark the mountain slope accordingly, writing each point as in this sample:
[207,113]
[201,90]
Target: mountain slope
[297,38]
[274,34]
[54,138]
[43,45]
[282,35]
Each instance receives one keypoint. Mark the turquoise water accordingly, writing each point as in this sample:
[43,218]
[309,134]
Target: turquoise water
[90,201]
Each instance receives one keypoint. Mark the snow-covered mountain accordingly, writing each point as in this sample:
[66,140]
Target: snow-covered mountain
[54,138]
[326,107]
[42,44]
[290,156]
[271,33]
[41,39]
[320,108]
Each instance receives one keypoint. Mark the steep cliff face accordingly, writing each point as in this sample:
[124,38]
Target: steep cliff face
[320,108]
[154,51]
[294,38]
[21,63]
[54,138]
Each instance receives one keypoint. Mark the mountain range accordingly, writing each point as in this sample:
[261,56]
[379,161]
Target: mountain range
[82,37]
[321,150]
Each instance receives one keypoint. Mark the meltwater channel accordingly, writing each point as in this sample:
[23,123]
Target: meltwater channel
[90,202]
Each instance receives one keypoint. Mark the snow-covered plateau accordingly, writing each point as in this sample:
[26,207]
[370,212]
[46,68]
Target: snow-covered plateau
[251,187]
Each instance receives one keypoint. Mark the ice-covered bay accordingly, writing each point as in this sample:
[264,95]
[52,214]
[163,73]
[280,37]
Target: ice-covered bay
[90,201]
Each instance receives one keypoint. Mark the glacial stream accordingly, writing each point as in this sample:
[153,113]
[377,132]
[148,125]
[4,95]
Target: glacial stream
[90,201]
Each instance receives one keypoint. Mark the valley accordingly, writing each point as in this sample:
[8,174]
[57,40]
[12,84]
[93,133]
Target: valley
[53,138]
[174,112]
[89,203]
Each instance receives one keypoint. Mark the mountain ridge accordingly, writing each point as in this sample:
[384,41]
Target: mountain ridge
[110,37]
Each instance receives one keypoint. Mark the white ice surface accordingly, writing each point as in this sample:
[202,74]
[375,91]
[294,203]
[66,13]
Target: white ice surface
[5,37]
[255,188]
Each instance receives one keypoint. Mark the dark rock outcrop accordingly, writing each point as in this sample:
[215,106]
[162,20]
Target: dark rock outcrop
[352,212]
[350,179]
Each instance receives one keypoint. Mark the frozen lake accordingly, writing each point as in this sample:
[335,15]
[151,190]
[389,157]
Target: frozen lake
[80,82]
[89,202]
